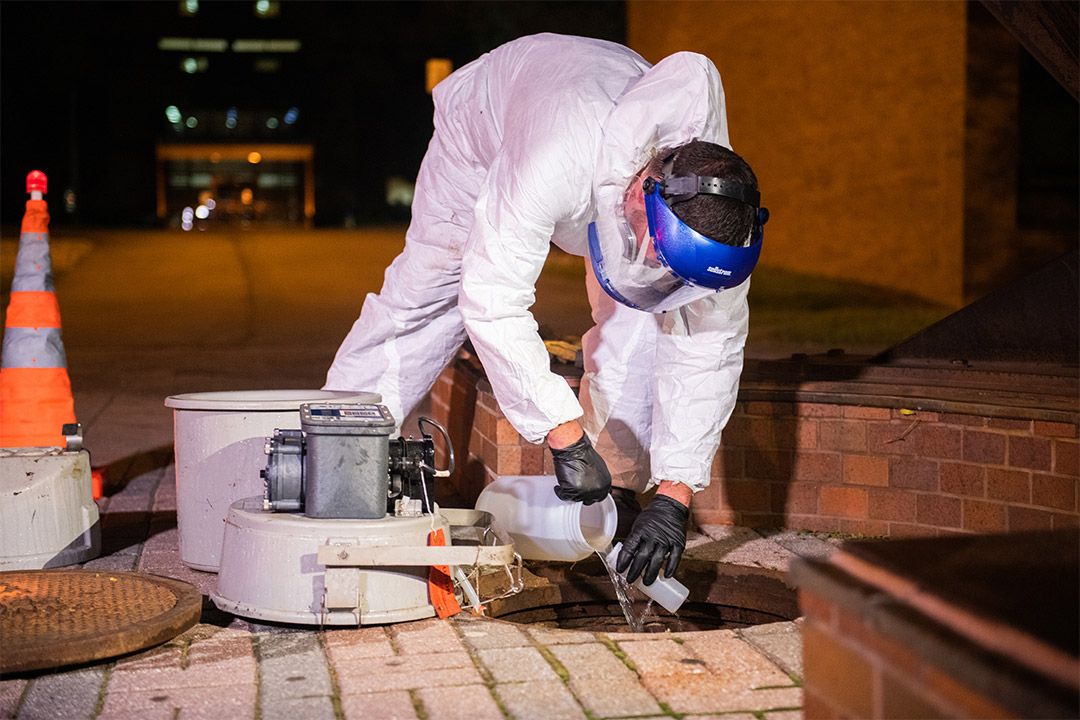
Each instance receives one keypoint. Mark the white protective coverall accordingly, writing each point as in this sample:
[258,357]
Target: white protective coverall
[532,141]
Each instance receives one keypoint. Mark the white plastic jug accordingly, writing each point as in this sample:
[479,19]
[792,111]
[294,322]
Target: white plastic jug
[543,526]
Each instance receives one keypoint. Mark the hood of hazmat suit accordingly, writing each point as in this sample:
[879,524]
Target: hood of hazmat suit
[678,100]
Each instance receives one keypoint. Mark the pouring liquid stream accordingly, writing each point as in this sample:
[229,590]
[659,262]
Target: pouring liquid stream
[634,618]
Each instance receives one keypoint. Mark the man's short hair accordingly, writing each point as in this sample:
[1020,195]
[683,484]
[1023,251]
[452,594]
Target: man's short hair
[719,218]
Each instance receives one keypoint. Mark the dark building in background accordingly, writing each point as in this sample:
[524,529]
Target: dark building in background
[246,111]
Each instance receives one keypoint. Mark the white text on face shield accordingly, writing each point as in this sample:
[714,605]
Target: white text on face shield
[719,271]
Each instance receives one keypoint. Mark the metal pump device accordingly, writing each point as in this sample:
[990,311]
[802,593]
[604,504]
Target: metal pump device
[347,531]
[341,464]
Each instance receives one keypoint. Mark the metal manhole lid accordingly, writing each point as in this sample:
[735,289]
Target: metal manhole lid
[51,618]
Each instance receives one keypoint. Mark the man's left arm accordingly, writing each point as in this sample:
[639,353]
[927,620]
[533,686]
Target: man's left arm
[699,358]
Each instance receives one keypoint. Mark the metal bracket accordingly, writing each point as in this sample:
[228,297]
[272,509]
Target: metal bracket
[72,436]
[343,590]
[465,526]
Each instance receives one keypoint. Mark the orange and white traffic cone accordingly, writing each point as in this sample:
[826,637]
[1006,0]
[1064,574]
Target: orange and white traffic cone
[35,390]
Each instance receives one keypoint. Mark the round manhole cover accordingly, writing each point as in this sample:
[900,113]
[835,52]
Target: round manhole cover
[51,618]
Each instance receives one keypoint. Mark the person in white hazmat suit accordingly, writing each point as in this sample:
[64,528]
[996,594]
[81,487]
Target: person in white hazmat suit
[581,143]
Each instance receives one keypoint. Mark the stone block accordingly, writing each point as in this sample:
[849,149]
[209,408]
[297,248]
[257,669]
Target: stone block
[516,664]
[985,448]
[797,498]
[823,467]
[1009,424]
[197,703]
[539,700]
[739,663]
[1032,453]
[1055,429]
[426,636]
[1008,485]
[819,410]
[1067,458]
[1021,519]
[662,657]
[938,510]
[396,705]
[865,528]
[551,636]
[867,413]
[1054,491]
[405,672]
[837,672]
[963,479]
[344,644]
[842,435]
[891,504]
[769,464]
[484,634]
[311,707]
[939,441]
[463,702]
[780,642]
[866,470]
[711,694]
[291,666]
[849,502]
[603,683]
[68,694]
[746,495]
[898,700]
[984,517]
[215,662]
[891,438]
[914,474]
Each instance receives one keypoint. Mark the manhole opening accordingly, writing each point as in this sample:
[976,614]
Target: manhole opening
[609,617]
[581,597]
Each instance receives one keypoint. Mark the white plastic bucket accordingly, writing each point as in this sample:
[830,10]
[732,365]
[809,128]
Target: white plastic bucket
[543,526]
[220,441]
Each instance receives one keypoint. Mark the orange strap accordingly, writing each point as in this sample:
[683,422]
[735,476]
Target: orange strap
[440,585]
[36,219]
[33,309]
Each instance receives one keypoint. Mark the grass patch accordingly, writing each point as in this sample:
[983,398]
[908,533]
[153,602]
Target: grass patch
[799,309]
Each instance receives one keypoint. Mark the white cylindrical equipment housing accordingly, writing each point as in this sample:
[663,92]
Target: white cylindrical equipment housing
[48,517]
[220,441]
[270,568]
[543,526]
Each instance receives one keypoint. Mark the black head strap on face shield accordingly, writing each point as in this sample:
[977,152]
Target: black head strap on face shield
[680,189]
[675,190]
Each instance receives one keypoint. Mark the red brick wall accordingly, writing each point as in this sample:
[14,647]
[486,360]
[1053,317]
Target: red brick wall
[805,466]
[853,669]
[888,472]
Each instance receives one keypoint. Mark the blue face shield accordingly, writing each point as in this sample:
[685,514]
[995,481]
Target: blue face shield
[673,264]
[690,255]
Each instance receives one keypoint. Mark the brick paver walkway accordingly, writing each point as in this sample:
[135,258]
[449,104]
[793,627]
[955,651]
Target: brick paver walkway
[464,667]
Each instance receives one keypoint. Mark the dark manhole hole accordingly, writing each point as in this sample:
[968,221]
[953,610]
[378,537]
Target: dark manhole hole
[580,597]
[609,617]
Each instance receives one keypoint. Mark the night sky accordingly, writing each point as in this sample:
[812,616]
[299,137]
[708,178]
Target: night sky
[83,89]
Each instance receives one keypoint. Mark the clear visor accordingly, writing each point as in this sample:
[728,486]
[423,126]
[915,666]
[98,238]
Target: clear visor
[628,267]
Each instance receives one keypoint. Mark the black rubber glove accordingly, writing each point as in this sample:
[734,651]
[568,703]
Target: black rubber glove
[582,474]
[659,532]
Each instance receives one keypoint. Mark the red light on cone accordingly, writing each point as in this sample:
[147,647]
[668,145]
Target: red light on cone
[36,180]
